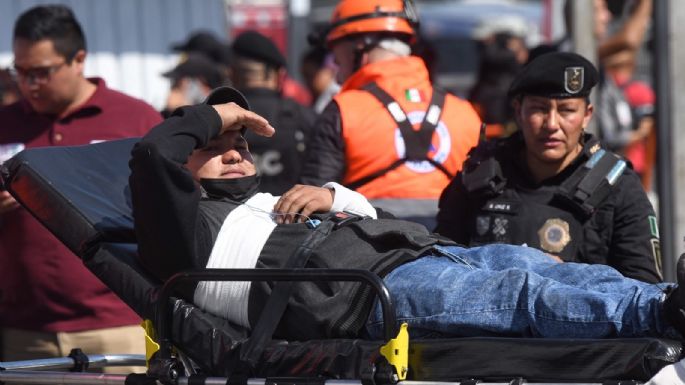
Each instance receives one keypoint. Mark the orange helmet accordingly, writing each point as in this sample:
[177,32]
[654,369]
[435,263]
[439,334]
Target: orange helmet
[353,17]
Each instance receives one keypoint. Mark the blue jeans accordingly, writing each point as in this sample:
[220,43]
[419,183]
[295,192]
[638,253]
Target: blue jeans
[504,290]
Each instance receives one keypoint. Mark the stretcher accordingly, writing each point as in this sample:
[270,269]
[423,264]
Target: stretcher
[81,195]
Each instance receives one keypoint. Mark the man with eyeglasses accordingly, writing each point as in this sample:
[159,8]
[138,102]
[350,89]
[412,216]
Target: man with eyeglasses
[49,303]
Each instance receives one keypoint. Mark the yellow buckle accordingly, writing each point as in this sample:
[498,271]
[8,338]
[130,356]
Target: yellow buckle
[151,347]
[396,351]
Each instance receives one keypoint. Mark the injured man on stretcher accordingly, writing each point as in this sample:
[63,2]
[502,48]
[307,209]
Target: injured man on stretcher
[196,204]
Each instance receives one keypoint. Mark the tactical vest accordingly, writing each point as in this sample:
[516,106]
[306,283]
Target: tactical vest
[549,218]
[402,138]
[417,142]
[279,159]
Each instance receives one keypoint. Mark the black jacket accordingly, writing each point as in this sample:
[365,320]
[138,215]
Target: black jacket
[621,232]
[325,161]
[176,230]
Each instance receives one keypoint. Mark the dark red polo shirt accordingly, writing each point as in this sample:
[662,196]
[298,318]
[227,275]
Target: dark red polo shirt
[43,286]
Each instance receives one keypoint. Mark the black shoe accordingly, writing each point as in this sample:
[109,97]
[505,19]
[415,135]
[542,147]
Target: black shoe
[674,304]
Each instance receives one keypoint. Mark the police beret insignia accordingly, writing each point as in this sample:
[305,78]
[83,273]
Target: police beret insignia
[574,79]
[556,75]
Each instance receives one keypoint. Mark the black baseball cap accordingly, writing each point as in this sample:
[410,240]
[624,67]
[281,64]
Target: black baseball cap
[556,75]
[205,43]
[227,94]
[197,66]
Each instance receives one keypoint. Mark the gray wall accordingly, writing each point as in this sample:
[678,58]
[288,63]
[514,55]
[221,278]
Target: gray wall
[128,40]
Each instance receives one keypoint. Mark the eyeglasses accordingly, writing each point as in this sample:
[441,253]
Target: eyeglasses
[38,75]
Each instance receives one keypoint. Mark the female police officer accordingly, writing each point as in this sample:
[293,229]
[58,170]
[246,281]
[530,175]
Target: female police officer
[550,185]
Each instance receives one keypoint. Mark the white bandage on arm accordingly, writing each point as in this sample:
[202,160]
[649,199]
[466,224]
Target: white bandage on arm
[350,201]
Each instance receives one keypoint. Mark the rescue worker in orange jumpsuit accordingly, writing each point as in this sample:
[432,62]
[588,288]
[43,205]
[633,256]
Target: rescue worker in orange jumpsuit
[389,134]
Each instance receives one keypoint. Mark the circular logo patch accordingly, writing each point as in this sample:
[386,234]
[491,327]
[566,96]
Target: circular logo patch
[554,235]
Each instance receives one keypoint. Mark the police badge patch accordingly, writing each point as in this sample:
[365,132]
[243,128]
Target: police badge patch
[574,79]
[554,235]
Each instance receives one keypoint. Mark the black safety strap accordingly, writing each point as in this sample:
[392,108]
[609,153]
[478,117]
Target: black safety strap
[417,142]
[588,186]
[251,350]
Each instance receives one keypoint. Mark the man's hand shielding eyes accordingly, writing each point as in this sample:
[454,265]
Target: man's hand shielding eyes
[234,117]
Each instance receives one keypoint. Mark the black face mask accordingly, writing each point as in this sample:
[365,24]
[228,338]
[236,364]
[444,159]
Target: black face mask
[236,190]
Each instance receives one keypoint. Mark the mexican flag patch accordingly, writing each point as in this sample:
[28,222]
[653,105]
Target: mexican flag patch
[413,95]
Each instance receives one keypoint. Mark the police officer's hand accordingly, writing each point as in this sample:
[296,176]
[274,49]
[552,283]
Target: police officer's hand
[234,117]
[298,203]
[7,203]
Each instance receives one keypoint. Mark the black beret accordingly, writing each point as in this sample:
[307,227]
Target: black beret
[228,94]
[254,45]
[556,75]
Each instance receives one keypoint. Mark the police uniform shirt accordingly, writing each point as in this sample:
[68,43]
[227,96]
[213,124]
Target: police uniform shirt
[621,233]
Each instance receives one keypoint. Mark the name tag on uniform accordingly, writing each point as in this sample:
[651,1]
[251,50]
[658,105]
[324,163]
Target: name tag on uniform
[501,207]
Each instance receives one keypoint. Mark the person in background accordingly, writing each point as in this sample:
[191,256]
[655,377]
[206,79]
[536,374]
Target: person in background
[49,302]
[502,57]
[207,44]
[257,70]
[9,91]
[292,89]
[550,185]
[191,81]
[318,71]
[617,128]
[389,134]
[618,55]
[641,99]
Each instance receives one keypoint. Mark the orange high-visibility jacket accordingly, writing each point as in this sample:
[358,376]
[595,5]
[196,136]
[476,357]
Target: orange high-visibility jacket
[373,140]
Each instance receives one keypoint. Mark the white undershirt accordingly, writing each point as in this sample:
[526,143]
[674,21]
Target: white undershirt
[240,241]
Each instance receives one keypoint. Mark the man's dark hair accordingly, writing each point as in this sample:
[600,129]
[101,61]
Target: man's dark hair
[315,55]
[56,23]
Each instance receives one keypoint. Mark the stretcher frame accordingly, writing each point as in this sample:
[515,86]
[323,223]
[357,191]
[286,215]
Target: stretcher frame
[86,187]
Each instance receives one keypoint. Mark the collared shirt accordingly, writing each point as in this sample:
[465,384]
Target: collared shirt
[106,115]
[43,286]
